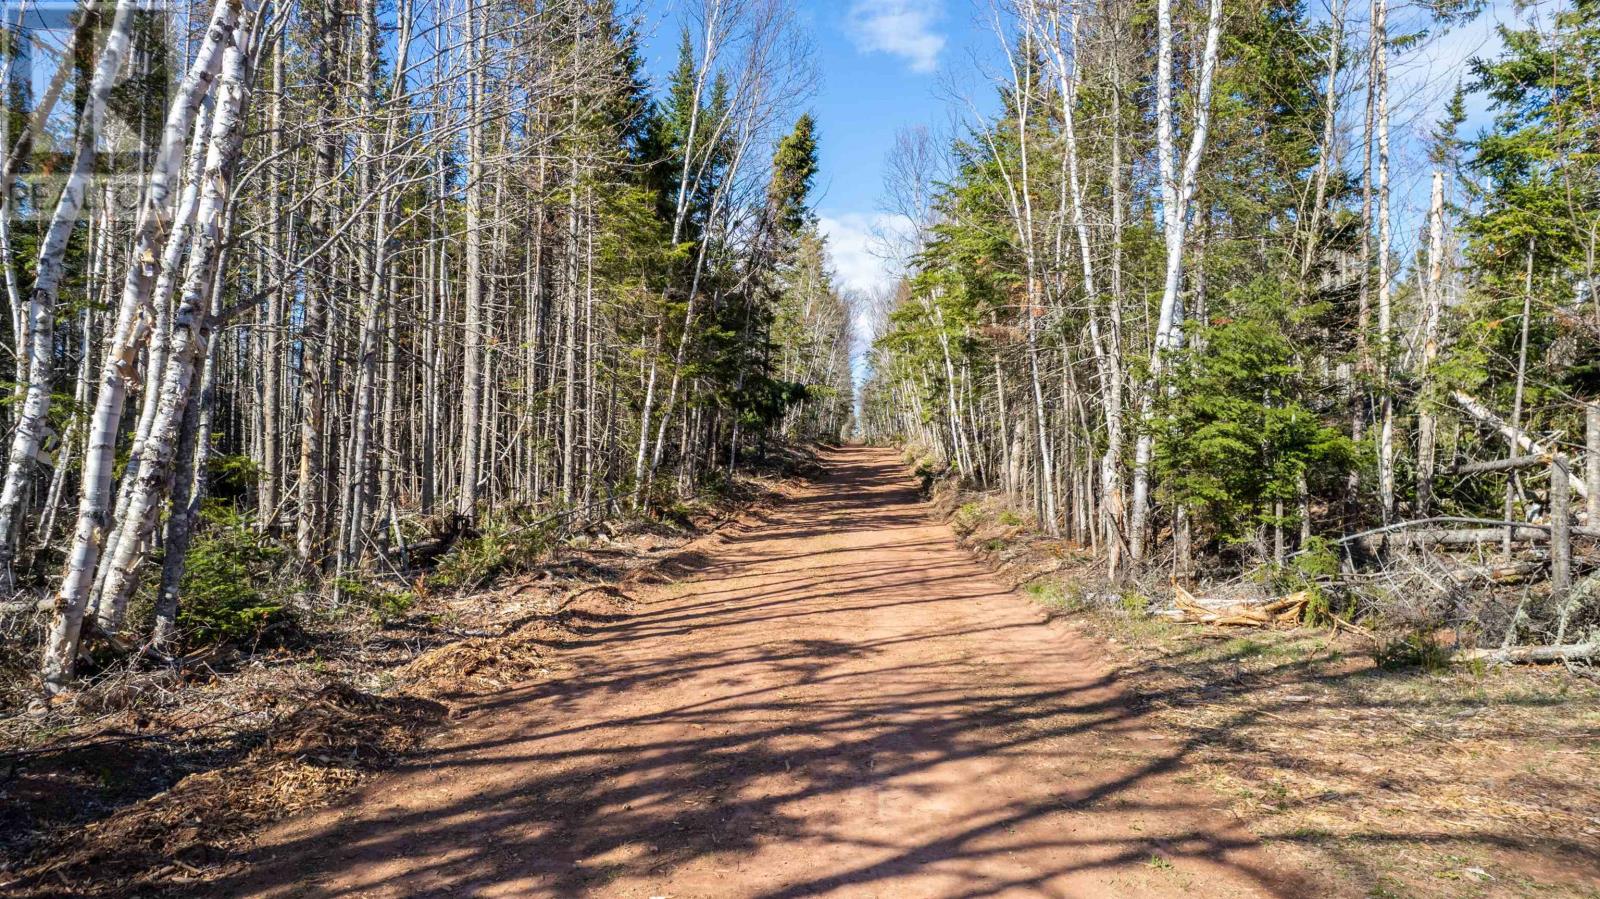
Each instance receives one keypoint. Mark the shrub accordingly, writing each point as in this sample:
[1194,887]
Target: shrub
[1068,597]
[967,518]
[228,592]
[231,477]
[384,604]
[1417,649]
[503,547]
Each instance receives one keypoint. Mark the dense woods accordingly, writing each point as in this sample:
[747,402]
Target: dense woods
[305,292]
[1172,298]
[467,447]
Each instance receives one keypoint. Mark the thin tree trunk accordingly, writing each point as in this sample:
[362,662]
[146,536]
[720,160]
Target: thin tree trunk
[1177,191]
[1427,424]
[472,352]
[50,270]
[1386,461]
[191,325]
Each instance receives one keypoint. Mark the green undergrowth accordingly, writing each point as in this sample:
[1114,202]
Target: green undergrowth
[243,586]
[502,545]
[234,589]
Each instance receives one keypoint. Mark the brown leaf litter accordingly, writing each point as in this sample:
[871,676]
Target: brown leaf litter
[1476,781]
[225,755]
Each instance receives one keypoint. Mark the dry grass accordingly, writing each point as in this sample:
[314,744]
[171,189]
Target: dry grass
[1468,782]
[1462,783]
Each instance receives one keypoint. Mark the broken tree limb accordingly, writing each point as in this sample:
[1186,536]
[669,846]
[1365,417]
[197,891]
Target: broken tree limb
[1498,574]
[1591,461]
[1510,464]
[1409,533]
[1576,652]
[1522,533]
[1517,437]
[1560,528]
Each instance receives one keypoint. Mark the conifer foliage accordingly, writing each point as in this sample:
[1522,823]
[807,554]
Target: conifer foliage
[1173,297]
[397,271]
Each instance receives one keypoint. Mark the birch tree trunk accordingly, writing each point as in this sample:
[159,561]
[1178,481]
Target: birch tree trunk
[191,327]
[1427,424]
[1386,476]
[148,282]
[50,270]
[1177,192]
[679,218]
[188,489]
[472,349]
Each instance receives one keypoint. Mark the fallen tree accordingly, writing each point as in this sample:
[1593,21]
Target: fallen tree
[1576,652]
[1518,438]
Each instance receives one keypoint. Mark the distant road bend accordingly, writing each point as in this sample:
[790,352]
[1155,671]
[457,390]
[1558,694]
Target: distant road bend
[840,702]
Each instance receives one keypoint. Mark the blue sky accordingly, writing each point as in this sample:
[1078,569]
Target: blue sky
[882,65]
[889,64]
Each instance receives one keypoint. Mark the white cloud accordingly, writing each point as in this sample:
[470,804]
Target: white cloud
[901,28]
[857,249]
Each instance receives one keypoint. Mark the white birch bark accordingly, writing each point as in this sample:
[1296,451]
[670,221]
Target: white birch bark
[1386,484]
[1514,435]
[146,275]
[1427,423]
[1177,192]
[708,55]
[191,327]
[50,271]
[1107,352]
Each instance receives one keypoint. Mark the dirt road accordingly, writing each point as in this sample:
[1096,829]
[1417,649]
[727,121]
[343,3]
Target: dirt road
[837,702]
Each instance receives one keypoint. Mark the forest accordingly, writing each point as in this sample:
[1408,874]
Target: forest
[298,290]
[481,447]
[1170,298]
[301,293]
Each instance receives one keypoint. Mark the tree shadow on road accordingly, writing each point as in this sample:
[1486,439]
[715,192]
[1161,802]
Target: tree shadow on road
[708,728]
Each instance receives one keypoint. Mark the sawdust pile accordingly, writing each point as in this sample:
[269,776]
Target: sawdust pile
[524,651]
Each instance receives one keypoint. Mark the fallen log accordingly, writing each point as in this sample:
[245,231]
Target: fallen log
[1520,533]
[1496,574]
[1510,464]
[1518,438]
[17,606]
[1576,652]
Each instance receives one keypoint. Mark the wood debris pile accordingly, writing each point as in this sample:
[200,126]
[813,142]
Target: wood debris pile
[1282,612]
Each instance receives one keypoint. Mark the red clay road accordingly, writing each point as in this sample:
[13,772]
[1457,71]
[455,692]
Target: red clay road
[838,702]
